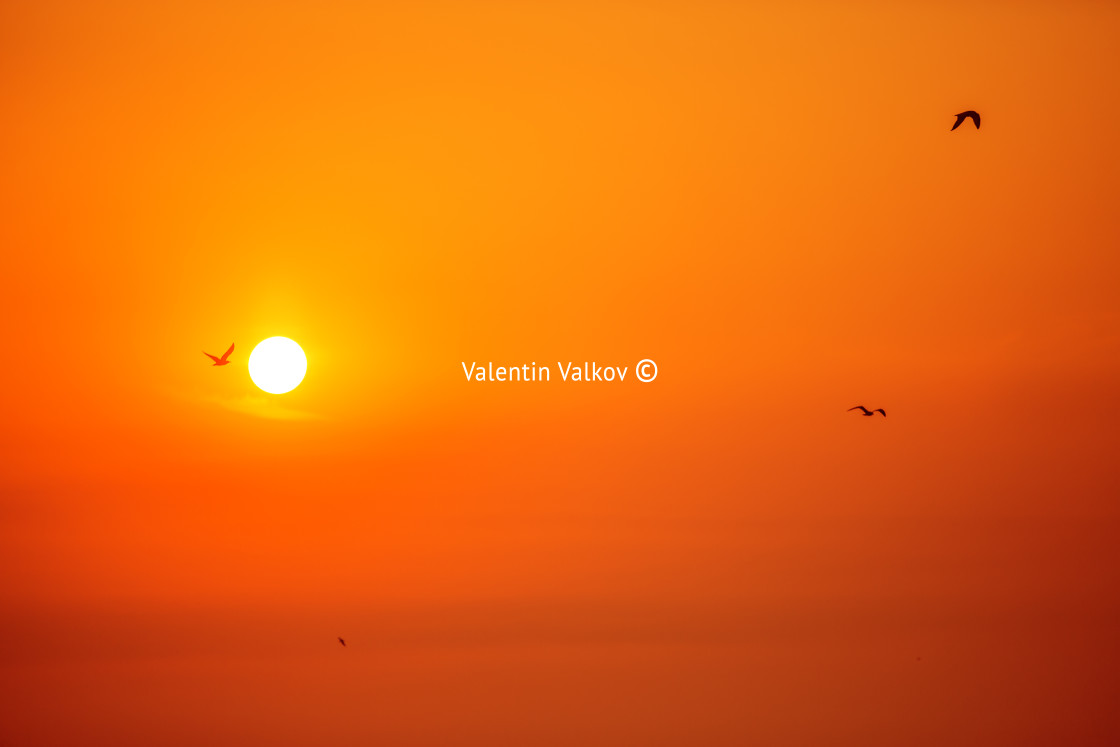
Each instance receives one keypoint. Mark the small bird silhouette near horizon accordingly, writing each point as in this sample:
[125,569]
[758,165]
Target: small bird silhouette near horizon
[219,361]
[966,115]
[341,641]
[868,413]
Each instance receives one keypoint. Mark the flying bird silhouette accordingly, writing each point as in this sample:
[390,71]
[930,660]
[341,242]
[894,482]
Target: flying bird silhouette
[219,361]
[341,641]
[965,115]
[868,413]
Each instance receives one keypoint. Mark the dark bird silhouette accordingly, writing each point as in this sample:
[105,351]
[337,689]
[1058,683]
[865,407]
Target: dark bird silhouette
[341,641]
[868,413]
[219,361]
[965,115]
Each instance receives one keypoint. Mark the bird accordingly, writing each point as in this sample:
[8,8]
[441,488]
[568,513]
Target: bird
[965,115]
[868,413]
[341,641]
[219,361]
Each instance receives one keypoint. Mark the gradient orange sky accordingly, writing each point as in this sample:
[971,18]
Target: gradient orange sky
[765,198]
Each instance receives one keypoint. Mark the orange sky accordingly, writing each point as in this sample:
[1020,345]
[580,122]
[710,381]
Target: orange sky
[764,198]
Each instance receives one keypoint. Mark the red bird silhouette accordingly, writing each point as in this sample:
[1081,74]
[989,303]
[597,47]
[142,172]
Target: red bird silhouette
[966,115]
[219,361]
[868,413]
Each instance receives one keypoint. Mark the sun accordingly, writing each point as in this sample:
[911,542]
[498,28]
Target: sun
[277,365]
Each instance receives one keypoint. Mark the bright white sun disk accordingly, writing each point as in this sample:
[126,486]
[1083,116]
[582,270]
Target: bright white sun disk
[277,365]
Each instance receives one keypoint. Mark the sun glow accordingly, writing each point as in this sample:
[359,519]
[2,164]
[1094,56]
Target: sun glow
[277,365]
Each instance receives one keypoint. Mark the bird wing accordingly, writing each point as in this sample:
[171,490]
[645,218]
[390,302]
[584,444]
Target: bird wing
[882,411]
[214,358]
[960,118]
[228,352]
[975,118]
[857,407]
